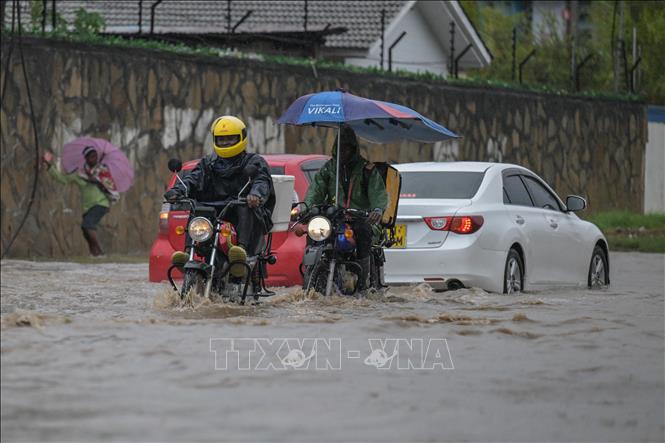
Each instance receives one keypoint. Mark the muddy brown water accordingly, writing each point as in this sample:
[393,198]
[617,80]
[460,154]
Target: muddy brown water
[95,352]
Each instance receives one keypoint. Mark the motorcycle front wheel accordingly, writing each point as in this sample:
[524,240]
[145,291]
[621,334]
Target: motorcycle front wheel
[317,277]
[193,281]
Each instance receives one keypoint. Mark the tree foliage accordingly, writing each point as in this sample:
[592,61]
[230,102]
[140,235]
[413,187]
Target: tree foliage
[608,40]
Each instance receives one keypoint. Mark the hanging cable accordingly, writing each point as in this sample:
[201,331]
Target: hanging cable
[35,181]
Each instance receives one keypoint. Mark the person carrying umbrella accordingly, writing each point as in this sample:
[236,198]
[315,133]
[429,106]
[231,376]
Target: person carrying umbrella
[97,190]
[360,187]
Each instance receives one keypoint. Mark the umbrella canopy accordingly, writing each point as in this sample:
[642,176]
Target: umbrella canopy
[373,120]
[108,154]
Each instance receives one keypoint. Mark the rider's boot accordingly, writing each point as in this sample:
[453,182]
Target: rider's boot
[179,258]
[237,254]
[363,283]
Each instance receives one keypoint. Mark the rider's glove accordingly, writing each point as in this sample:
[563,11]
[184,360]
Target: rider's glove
[172,195]
[300,229]
[253,201]
[375,216]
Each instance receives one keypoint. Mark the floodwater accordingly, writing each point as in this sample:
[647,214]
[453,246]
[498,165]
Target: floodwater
[94,352]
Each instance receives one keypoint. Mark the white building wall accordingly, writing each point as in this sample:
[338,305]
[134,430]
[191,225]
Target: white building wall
[541,11]
[418,51]
[654,171]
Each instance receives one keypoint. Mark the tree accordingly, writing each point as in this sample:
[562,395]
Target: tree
[551,65]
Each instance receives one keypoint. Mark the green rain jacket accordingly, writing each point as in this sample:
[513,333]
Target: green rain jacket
[91,194]
[364,197]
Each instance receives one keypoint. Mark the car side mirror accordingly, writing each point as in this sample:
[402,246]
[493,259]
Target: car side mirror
[175,165]
[575,203]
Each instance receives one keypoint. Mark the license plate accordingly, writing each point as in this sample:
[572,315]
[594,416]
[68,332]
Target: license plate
[400,237]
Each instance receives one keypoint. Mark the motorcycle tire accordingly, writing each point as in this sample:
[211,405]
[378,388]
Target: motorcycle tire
[317,277]
[192,281]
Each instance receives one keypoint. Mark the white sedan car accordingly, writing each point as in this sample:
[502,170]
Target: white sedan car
[495,226]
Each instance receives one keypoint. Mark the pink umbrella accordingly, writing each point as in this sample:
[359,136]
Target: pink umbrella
[108,154]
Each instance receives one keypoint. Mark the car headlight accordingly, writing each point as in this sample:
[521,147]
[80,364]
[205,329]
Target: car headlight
[318,228]
[200,229]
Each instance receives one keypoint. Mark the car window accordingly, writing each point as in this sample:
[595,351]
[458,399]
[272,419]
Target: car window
[515,191]
[442,184]
[277,170]
[311,167]
[542,196]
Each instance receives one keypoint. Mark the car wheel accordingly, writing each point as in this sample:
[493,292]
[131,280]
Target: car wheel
[598,269]
[513,274]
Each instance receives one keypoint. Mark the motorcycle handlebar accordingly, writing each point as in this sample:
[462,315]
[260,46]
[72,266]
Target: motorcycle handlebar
[315,211]
[192,203]
[358,213]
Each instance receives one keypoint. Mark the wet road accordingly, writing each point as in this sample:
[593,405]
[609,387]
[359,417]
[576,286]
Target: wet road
[94,352]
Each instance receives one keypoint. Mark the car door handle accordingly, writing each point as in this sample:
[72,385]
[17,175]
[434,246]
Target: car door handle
[519,220]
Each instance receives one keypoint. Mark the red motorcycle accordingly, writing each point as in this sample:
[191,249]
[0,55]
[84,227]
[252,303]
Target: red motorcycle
[208,270]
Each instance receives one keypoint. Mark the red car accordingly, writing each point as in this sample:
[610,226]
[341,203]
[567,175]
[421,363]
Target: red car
[285,245]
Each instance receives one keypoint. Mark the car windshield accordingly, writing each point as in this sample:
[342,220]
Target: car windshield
[443,184]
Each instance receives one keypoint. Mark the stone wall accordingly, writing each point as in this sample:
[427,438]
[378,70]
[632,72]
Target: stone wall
[159,105]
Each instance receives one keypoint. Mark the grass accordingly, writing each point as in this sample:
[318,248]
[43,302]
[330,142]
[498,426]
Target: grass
[629,231]
[628,220]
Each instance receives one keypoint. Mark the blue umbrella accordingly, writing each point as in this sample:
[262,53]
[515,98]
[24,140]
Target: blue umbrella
[373,120]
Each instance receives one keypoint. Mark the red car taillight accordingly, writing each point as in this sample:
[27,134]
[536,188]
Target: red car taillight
[164,219]
[163,222]
[466,224]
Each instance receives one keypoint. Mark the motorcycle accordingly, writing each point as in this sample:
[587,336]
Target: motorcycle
[208,268]
[330,262]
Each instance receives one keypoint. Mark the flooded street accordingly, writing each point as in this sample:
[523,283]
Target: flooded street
[95,352]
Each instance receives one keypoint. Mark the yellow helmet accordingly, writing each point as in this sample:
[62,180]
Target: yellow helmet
[229,136]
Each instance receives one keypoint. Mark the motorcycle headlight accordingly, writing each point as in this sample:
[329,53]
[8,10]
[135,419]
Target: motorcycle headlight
[318,228]
[200,229]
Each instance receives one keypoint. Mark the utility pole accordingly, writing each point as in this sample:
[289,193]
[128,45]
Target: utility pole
[140,16]
[383,34]
[573,42]
[633,74]
[43,16]
[617,47]
[514,52]
[451,59]
[228,16]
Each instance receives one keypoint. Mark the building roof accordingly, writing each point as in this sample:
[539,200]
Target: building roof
[353,25]
[361,18]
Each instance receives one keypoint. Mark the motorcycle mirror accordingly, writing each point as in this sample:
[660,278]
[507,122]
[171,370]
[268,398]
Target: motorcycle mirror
[175,165]
[251,171]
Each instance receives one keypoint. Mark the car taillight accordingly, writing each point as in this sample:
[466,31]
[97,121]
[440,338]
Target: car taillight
[466,224]
[438,223]
[164,219]
[460,224]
